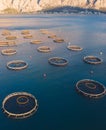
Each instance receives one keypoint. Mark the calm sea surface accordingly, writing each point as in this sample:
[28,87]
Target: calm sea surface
[60,106]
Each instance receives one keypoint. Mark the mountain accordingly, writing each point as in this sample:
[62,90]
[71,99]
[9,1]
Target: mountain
[21,6]
[9,6]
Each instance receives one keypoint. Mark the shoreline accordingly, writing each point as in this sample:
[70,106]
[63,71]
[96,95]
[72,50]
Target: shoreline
[56,10]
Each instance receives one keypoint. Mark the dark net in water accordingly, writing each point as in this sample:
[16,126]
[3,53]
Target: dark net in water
[91,87]
[20,64]
[24,105]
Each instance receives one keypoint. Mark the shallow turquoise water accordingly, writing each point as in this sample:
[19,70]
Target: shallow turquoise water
[60,106]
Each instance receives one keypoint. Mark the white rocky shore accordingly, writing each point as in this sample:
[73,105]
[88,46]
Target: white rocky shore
[21,6]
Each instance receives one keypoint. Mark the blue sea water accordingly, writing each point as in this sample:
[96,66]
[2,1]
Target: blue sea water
[60,106]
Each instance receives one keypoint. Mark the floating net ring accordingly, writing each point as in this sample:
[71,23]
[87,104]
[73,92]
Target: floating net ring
[44,49]
[3,43]
[11,43]
[52,36]
[22,100]
[25,32]
[36,42]
[28,36]
[6,33]
[19,105]
[44,31]
[8,52]
[17,65]
[11,37]
[74,48]
[58,40]
[92,60]
[7,43]
[90,85]
[90,88]
[58,61]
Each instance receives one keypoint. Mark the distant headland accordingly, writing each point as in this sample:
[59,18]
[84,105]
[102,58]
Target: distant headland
[65,6]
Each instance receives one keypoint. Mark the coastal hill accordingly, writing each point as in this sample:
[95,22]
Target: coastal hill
[26,6]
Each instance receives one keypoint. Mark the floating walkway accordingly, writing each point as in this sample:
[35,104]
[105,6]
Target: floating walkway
[19,105]
[90,88]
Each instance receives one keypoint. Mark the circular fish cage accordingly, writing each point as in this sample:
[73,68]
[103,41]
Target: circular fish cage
[28,36]
[58,40]
[36,42]
[12,43]
[25,32]
[44,49]
[52,36]
[90,88]
[44,31]
[92,60]
[7,43]
[11,37]
[74,48]
[17,65]
[58,61]
[6,33]
[19,105]
[4,43]
[8,52]
[41,30]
